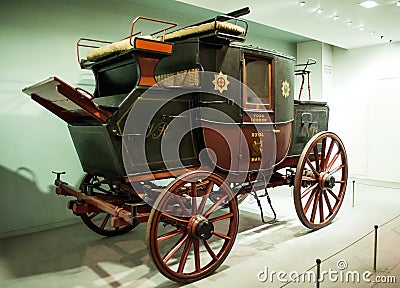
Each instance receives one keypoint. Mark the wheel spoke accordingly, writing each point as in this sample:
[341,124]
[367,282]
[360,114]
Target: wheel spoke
[213,207]
[105,220]
[321,164]
[309,179]
[180,220]
[196,250]
[328,203]
[175,248]
[316,173]
[308,190]
[329,166]
[169,235]
[210,184]
[222,217]
[337,169]
[333,194]
[94,214]
[184,256]
[209,250]
[328,154]
[316,158]
[321,208]
[223,236]
[307,206]
[194,195]
[314,210]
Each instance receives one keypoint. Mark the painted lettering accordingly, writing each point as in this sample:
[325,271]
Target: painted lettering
[156,131]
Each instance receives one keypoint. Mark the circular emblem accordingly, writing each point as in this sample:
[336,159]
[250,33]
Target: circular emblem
[285,89]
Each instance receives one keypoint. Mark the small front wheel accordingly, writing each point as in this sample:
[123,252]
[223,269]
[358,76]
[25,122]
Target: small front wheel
[97,220]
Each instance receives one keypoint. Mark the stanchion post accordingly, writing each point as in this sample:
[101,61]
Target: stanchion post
[352,205]
[375,246]
[318,261]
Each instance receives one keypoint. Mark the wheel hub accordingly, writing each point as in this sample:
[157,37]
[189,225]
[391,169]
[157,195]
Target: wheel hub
[327,181]
[200,227]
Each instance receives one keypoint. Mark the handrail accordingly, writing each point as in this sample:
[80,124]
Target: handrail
[78,45]
[95,43]
[171,25]
[310,61]
[89,95]
[304,71]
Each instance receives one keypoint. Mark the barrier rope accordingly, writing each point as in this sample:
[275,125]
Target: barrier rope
[341,250]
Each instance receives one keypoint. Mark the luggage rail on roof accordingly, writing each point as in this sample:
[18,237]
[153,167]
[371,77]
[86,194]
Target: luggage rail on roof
[217,26]
[126,43]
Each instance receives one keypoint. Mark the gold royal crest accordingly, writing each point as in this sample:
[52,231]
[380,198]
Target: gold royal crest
[220,82]
[285,89]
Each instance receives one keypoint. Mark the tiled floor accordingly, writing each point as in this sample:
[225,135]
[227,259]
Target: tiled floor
[73,256]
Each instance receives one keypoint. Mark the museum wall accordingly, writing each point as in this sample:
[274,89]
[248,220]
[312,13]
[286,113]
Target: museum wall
[361,88]
[38,41]
[365,109]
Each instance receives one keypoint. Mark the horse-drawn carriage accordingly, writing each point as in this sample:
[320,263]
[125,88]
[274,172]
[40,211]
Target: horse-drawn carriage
[181,126]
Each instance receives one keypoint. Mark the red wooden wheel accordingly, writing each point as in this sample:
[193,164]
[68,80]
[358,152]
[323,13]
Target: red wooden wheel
[97,220]
[320,180]
[189,235]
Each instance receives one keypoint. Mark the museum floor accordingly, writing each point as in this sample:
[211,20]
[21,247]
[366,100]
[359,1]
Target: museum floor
[75,257]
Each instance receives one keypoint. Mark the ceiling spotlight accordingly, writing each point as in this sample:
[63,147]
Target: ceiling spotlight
[349,23]
[381,36]
[390,41]
[368,4]
[398,3]
[302,3]
[335,17]
[320,10]
[361,28]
